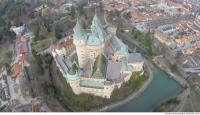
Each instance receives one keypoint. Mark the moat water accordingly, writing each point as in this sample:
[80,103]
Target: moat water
[161,88]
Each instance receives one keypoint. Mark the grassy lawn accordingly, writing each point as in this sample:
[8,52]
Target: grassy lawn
[187,107]
[5,54]
[196,78]
[85,102]
[54,104]
[41,44]
[40,66]
[168,106]
[193,99]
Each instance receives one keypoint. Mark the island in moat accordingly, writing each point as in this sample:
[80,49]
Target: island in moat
[96,61]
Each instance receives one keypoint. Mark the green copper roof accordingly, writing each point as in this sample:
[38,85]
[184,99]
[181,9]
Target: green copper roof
[94,40]
[73,73]
[92,84]
[78,31]
[123,66]
[100,67]
[122,49]
[126,67]
[73,69]
[97,28]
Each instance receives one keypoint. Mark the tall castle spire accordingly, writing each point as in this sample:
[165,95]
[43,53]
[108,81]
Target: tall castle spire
[96,21]
[78,31]
[97,28]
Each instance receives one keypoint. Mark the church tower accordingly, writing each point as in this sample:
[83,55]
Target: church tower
[79,40]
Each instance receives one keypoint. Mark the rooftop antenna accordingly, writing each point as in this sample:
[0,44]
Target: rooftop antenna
[95,9]
[76,13]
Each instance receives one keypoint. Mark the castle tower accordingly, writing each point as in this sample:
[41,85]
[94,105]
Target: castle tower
[73,78]
[95,41]
[79,39]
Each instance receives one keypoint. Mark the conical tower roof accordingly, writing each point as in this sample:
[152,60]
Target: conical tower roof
[96,20]
[97,28]
[73,69]
[79,33]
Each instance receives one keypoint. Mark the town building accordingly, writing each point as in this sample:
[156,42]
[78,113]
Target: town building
[65,47]
[4,90]
[19,86]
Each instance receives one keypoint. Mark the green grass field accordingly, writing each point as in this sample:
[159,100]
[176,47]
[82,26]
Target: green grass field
[41,44]
[5,54]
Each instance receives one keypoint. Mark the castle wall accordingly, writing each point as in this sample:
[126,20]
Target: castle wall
[85,52]
[92,54]
[128,76]
[92,79]
[137,66]
[81,52]
[104,93]
[119,58]
[75,85]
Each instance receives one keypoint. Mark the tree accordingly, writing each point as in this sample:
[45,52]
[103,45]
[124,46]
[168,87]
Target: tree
[58,35]
[43,32]
[148,43]
[173,67]
[129,15]
[73,11]
[47,24]
[36,32]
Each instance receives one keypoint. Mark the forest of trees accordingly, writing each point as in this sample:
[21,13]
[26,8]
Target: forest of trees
[145,39]
[12,13]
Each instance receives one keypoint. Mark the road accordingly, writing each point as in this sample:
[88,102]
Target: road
[182,96]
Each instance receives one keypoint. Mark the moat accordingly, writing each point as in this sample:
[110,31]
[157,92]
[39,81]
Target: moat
[160,89]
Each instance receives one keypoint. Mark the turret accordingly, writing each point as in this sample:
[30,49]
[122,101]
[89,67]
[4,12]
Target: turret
[79,35]
[72,74]
[73,78]
[79,40]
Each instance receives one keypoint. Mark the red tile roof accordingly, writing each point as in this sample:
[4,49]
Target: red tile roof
[16,70]
[23,39]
